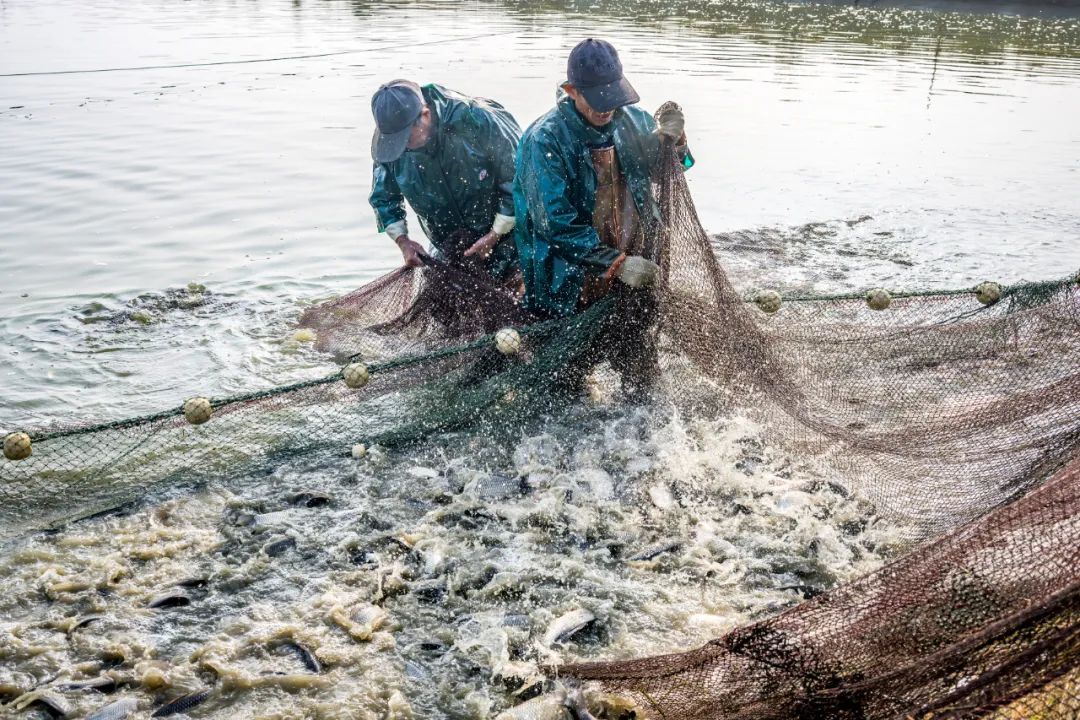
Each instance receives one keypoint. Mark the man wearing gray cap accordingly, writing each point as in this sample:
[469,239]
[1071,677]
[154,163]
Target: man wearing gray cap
[583,192]
[452,158]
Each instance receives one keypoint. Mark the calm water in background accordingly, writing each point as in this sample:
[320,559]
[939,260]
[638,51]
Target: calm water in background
[858,146]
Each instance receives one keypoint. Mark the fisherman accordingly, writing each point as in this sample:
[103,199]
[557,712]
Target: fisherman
[583,192]
[452,157]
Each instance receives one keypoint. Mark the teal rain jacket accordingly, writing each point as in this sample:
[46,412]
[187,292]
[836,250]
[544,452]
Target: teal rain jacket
[459,179]
[555,193]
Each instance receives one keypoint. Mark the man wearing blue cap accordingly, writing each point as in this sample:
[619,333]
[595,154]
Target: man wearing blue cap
[583,191]
[452,158]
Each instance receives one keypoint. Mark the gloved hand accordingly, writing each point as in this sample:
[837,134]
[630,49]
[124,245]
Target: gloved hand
[411,251]
[637,271]
[671,122]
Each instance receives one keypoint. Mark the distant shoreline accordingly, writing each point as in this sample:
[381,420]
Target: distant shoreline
[1046,8]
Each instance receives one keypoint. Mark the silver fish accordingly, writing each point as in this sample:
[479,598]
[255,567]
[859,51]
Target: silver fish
[654,550]
[115,711]
[546,707]
[103,684]
[53,704]
[182,704]
[566,626]
[575,703]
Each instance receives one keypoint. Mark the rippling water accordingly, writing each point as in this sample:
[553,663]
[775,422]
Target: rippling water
[954,133]
[838,147]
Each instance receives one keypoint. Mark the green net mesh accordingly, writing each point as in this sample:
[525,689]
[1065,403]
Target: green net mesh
[955,413]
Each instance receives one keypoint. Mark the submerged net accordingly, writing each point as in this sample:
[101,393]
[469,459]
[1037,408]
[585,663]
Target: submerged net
[947,413]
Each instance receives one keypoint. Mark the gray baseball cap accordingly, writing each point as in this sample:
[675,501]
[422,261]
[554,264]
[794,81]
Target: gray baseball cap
[396,106]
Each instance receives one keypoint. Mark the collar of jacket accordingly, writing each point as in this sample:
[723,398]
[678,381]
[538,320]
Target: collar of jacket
[441,109]
[582,129]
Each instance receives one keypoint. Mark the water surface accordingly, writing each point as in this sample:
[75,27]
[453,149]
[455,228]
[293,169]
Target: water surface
[857,146]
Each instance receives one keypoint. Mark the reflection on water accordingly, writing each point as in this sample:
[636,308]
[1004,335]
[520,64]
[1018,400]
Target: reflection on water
[952,130]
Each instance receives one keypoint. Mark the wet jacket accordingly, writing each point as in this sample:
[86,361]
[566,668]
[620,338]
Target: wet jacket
[555,193]
[458,180]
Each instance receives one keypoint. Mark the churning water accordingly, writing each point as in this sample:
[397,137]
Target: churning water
[837,148]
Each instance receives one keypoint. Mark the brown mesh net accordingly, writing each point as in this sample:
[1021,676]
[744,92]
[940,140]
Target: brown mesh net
[940,410]
[983,620]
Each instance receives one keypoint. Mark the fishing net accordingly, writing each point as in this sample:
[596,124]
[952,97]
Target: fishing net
[982,622]
[948,411]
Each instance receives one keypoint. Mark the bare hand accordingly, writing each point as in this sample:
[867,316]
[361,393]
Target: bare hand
[484,245]
[412,251]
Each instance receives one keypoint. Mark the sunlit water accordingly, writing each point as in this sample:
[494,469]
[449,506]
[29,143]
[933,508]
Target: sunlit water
[955,133]
[837,148]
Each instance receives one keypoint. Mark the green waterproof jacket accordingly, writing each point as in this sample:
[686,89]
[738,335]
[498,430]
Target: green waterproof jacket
[458,180]
[555,193]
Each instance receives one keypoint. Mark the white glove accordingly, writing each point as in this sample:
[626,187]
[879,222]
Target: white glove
[670,121]
[637,271]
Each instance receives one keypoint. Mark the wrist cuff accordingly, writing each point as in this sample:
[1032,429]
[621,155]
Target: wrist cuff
[396,230]
[503,224]
[613,271]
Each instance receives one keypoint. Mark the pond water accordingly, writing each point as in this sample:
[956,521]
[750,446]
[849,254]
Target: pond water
[858,146]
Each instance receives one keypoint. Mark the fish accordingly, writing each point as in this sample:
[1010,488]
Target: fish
[416,671]
[277,548]
[306,656]
[170,599]
[103,684]
[310,499]
[517,620]
[497,487]
[85,620]
[575,703]
[182,703]
[658,549]
[566,626]
[546,707]
[432,647]
[428,591]
[272,518]
[55,705]
[115,711]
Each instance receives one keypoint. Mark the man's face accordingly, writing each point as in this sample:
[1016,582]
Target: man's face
[421,130]
[596,119]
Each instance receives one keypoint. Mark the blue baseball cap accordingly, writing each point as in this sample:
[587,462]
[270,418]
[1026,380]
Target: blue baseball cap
[594,68]
[396,106]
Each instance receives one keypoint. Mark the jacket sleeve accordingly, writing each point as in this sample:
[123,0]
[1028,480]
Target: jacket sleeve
[499,133]
[386,198]
[553,217]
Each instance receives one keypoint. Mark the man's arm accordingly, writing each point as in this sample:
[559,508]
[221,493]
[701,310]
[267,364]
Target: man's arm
[389,205]
[499,134]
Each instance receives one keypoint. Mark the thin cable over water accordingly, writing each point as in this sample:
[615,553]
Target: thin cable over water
[253,60]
